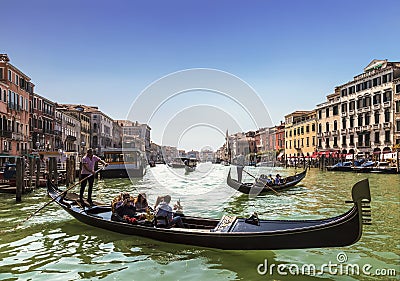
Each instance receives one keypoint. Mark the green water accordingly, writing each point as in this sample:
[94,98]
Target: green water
[54,246]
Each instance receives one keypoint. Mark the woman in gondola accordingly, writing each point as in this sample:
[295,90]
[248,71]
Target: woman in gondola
[141,204]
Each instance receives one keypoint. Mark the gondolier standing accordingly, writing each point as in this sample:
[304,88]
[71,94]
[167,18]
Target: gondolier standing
[88,162]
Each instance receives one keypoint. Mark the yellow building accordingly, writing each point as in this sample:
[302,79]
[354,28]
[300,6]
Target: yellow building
[300,134]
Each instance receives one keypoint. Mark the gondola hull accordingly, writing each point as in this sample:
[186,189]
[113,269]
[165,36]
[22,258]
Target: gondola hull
[261,187]
[339,231]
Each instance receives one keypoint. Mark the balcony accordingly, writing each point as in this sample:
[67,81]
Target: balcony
[351,112]
[335,133]
[327,134]
[17,136]
[319,135]
[376,127]
[350,130]
[366,109]
[387,125]
[6,134]
[344,113]
[357,129]
[359,110]
[365,128]
[343,131]
[386,104]
[376,106]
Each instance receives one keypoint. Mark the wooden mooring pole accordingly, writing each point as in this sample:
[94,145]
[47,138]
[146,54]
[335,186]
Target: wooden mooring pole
[20,178]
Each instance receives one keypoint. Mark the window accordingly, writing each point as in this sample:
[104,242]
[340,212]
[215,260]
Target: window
[313,127]
[387,96]
[367,119]
[307,128]
[9,76]
[1,73]
[351,121]
[319,114]
[319,142]
[387,136]
[343,140]
[327,142]
[351,139]
[376,117]
[335,127]
[367,139]
[376,99]
[313,141]
[397,126]
[360,120]
[352,105]
[308,141]
[376,139]
[335,110]
[320,128]
[327,112]
[360,140]
[344,123]
[344,92]
[344,107]
[387,115]
[397,88]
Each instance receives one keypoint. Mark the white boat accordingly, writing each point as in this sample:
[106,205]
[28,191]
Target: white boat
[123,163]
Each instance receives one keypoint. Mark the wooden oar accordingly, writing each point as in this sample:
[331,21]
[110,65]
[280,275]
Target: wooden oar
[265,185]
[54,199]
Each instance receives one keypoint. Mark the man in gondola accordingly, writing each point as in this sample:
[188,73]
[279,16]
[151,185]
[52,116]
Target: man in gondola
[88,162]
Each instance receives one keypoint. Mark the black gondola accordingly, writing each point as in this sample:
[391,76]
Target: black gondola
[260,186]
[238,233]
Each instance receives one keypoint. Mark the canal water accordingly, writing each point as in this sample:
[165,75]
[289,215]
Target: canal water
[54,246]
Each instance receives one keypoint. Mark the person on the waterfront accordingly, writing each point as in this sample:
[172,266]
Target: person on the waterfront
[141,204]
[164,210]
[88,162]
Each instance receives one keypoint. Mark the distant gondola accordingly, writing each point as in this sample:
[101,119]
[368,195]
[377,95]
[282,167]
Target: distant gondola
[231,233]
[261,187]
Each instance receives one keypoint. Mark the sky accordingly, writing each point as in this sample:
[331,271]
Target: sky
[107,53]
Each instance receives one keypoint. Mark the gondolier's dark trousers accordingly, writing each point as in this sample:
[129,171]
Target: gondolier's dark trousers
[83,185]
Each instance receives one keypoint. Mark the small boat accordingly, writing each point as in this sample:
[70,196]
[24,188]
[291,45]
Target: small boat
[232,233]
[123,163]
[260,186]
[384,168]
[365,167]
[190,164]
[177,163]
[341,167]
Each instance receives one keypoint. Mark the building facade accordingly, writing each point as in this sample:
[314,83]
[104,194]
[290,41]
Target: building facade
[300,134]
[367,110]
[15,89]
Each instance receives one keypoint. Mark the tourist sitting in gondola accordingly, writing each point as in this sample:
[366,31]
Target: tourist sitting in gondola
[123,208]
[164,214]
[141,204]
[278,179]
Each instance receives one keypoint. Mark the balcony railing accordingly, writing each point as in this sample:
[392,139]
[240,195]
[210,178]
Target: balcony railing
[386,104]
[6,134]
[350,130]
[335,132]
[376,126]
[357,129]
[365,128]
[327,134]
[17,136]
[343,131]
[376,106]
[387,125]
[344,113]
[351,112]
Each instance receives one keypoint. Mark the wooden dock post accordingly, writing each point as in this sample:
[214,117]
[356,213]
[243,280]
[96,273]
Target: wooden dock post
[19,178]
[31,171]
[37,160]
[67,172]
[53,170]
